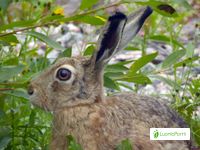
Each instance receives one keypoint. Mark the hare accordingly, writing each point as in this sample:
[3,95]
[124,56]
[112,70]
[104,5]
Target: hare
[72,89]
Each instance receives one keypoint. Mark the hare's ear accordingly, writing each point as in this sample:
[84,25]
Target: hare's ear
[133,25]
[109,39]
[117,33]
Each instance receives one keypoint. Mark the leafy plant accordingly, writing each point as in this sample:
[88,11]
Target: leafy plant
[125,145]
[72,144]
[25,127]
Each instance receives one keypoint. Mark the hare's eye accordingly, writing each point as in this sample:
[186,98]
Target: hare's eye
[63,74]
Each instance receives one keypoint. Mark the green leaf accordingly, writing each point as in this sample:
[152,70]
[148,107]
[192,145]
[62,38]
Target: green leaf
[18,24]
[109,83]
[32,117]
[161,8]
[89,50]
[171,83]
[183,3]
[138,64]
[2,113]
[86,4]
[2,101]
[50,18]
[4,141]
[73,145]
[173,58]
[4,43]
[115,68]
[7,72]
[164,38]
[125,145]
[136,78]
[114,75]
[21,93]
[11,61]
[195,125]
[5,137]
[131,48]
[4,4]
[45,39]
[186,61]
[67,52]
[11,39]
[190,49]
[118,67]
[93,20]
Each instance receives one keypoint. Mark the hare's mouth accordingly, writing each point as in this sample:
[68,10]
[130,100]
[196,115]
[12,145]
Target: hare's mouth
[38,97]
[40,101]
[41,104]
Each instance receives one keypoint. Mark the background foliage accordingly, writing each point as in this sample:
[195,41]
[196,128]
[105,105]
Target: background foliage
[24,127]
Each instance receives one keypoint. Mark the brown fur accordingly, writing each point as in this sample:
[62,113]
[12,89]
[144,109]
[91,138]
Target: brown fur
[80,108]
[102,124]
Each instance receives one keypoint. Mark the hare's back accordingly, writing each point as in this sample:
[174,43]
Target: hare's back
[134,115]
[151,111]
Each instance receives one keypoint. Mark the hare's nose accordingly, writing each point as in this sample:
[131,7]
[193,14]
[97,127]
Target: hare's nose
[30,90]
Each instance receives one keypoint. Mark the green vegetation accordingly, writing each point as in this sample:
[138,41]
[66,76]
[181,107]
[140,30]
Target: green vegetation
[23,126]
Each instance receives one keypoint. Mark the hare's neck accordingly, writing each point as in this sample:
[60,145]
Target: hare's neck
[79,122]
[100,95]
[69,120]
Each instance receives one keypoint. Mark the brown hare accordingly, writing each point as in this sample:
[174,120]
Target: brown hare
[72,89]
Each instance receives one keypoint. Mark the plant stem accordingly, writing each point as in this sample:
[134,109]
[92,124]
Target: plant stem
[6,89]
[12,83]
[53,22]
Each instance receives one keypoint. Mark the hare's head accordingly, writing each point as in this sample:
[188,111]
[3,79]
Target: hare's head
[78,80]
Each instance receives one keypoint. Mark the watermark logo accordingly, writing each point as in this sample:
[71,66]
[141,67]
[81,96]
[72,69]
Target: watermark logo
[155,134]
[169,133]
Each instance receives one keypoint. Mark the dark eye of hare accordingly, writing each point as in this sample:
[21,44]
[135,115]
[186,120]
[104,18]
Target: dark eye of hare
[63,74]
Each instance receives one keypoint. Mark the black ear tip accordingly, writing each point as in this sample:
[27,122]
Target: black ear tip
[149,10]
[117,16]
[146,13]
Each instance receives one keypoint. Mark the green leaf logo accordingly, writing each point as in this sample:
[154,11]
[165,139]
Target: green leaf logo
[155,134]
